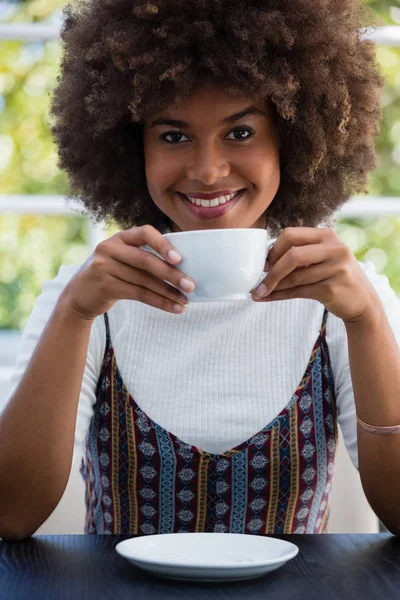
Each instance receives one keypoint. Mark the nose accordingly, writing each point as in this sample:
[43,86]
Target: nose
[207,165]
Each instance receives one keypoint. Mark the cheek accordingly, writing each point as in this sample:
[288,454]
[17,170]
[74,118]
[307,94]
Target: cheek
[262,169]
[269,169]
[274,173]
[154,163]
[161,180]
[156,174]
[160,168]
[151,172]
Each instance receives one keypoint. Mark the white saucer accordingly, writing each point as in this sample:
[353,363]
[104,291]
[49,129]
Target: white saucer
[207,556]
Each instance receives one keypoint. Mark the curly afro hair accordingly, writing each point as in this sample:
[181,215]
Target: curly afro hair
[125,60]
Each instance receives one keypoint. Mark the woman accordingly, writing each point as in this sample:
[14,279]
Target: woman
[223,418]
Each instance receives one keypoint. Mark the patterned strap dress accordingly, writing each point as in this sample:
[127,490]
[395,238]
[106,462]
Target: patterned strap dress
[141,479]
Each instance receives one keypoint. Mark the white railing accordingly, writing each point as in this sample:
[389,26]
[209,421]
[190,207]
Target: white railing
[51,205]
[358,207]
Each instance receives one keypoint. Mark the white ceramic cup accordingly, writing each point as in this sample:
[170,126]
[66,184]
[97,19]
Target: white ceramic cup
[225,264]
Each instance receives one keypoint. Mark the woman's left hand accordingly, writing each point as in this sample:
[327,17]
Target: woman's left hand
[308,262]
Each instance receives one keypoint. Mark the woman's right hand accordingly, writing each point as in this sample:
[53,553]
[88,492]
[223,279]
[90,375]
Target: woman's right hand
[119,269]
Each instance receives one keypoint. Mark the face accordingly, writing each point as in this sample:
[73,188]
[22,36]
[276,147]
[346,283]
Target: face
[206,146]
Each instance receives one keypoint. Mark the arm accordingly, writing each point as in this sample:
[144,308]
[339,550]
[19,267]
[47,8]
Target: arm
[37,426]
[375,371]
[314,263]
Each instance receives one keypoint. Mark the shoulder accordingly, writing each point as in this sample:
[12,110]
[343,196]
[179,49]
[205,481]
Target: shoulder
[64,275]
[38,318]
[52,288]
[336,337]
[48,298]
[388,297]
[50,293]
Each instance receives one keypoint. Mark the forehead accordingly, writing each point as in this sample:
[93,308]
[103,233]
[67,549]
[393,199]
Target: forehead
[210,103]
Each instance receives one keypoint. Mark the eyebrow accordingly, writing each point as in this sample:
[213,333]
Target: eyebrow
[250,110]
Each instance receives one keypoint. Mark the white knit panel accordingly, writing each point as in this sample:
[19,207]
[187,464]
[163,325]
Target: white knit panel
[211,376]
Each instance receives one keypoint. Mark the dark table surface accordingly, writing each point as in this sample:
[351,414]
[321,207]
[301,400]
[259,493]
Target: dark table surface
[76,567]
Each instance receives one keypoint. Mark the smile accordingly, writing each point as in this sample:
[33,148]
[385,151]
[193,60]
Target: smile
[211,209]
[214,201]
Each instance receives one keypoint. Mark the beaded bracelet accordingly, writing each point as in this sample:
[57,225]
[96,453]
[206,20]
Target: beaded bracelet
[379,430]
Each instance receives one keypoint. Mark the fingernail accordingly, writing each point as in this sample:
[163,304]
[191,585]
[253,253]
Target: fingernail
[178,308]
[173,255]
[186,285]
[183,299]
[260,291]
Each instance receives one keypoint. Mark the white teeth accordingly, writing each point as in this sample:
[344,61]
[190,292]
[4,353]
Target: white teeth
[214,202]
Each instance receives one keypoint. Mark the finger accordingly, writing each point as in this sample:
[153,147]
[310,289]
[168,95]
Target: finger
[148,262]
[129,291]
[303,291]
[293,259]
[298,236]
[145,280]
[305,276]
[148,235]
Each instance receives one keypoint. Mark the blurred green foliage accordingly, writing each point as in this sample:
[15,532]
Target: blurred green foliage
[33,247]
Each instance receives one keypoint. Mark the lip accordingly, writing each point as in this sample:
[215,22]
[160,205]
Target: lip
[210,212]
[205,196]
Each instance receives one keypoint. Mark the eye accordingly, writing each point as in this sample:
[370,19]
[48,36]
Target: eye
[241,130]
[173,133]
[238,130]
